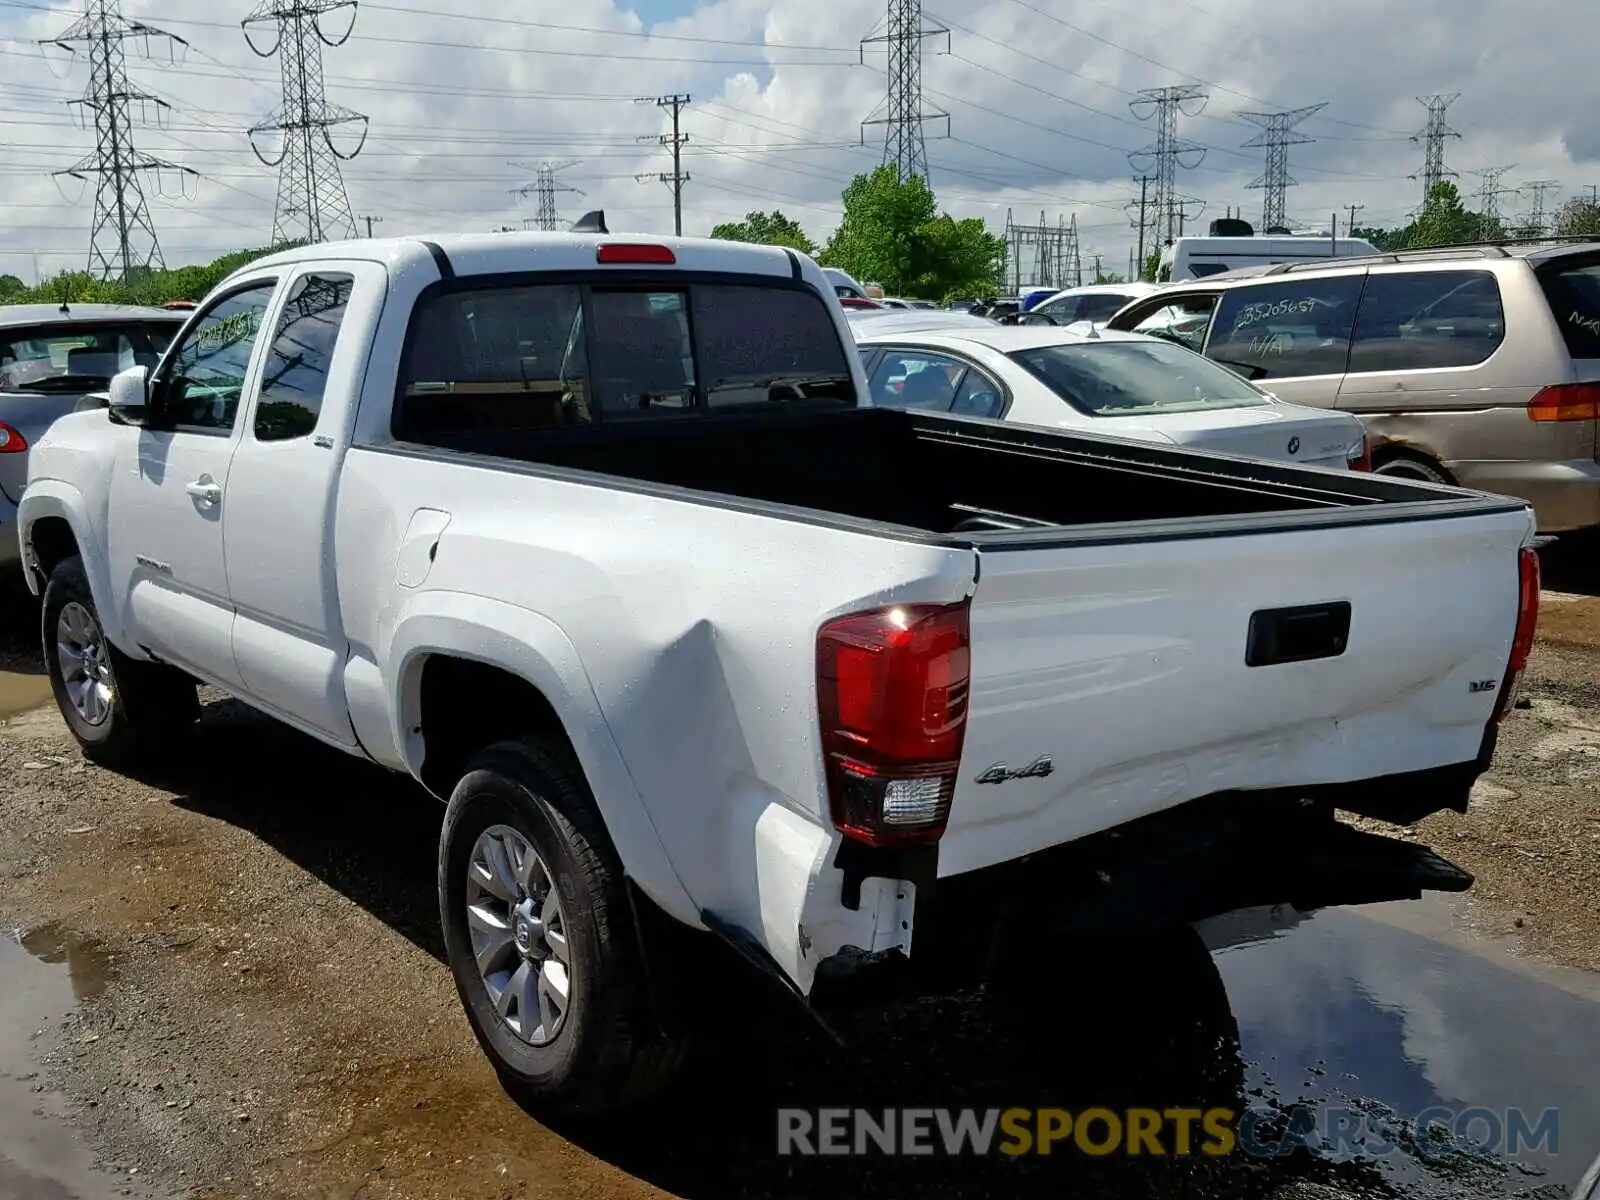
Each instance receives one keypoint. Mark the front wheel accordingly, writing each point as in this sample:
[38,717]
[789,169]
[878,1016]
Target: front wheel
[539,935]
[118,708]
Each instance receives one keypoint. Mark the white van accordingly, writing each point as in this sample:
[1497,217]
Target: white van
[1197,257]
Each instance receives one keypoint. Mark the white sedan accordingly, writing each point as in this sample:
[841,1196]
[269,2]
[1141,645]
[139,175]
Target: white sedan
[1125,384]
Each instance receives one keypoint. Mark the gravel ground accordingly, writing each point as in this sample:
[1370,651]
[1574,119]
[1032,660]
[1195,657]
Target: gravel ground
[271,1015]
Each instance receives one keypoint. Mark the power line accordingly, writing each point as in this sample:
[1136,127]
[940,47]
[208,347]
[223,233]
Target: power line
[1490,191]
[312,201]
[904,146]
[544,188]
[1276,136]
[1432,136]
[121,215]
[1168,152]
[1541,189]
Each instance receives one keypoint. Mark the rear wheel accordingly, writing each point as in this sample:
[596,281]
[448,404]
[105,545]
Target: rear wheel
[1409,467]
[117,707]
[539,935]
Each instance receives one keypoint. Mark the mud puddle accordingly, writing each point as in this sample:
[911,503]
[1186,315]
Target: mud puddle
[20,693]
[1356,1029]
[46,975]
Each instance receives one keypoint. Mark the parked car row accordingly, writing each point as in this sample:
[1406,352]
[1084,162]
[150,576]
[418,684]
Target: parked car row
[714,660]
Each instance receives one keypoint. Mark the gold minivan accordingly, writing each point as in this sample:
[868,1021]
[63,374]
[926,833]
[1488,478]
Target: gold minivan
[1476,366]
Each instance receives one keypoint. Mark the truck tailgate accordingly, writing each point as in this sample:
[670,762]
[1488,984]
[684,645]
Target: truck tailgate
[1125,666]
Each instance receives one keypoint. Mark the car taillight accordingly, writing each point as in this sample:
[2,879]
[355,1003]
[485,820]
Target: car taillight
[892,694]
[1527,621]
[1360,457]
[11,441]
[1566,402]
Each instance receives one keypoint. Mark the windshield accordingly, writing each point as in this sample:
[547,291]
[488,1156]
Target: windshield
[1123,379]
[43,358]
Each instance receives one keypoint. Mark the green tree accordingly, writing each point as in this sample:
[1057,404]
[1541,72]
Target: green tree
[147,287]
[1579,217]
[1444,220]
[766,229]
[893,232]
[11,288]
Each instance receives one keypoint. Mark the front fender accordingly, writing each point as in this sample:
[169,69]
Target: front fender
[535,649]
[55,498]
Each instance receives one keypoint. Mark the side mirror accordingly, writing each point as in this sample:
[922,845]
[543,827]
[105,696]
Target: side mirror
[130,397]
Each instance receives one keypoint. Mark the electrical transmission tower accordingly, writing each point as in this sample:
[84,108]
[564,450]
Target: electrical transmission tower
[313,205]
[1072,256]
[1537,213]
[544,187]
[904,146]
[1278,133]
[1432,137]
[1169,152]
[122,241]
[1490,192]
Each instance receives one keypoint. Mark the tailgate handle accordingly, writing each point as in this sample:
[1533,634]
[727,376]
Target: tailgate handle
[1286,635]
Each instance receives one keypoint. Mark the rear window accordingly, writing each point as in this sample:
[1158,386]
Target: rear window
[551,356]
[79,355]
[1128,379]
[1574,296]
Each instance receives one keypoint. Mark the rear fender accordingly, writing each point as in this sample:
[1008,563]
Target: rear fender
[535,649]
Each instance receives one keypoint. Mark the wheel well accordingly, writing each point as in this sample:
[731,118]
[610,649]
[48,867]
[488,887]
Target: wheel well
[1391,451]
[53,542]
[468,705]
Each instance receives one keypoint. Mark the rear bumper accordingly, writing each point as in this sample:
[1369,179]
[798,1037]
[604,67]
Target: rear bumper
[1219,854]
[1565,495]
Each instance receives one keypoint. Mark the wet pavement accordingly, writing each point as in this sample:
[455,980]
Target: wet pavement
[279,1021]
[45,975]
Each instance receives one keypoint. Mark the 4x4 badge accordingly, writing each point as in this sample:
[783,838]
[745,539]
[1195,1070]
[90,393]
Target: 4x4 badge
[1000,773]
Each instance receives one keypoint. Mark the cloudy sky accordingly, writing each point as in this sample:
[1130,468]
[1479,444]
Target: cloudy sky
[463,107]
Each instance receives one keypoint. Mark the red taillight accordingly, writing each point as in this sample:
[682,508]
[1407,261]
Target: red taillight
[1527,622]
[627,252]
[892,696]
[1566,402]
[11,441]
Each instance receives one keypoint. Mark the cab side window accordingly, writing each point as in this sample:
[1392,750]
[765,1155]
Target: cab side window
[205,376]
[1283,329]
[917,379]
[1184,320]
[296,371]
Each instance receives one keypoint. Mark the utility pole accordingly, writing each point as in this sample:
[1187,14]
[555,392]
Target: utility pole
[1276,136]
[313,205]
[1352,209]
[1168,152]
[121,216]
[371,221]
[904,146]
[675,142]
[1143,207]
[1432,136]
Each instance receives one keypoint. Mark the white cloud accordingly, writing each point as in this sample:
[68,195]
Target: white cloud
[1038,94]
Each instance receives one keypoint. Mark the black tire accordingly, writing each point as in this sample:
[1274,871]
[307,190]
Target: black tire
[606,1054]
[1408,466]
[151,704]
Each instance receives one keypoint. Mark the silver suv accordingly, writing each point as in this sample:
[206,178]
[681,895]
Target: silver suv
[1478,366]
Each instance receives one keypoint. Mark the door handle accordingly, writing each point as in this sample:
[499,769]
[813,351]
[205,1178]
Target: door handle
[206,490]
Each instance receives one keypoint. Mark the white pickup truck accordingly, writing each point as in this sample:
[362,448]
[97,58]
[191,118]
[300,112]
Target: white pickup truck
[597,538]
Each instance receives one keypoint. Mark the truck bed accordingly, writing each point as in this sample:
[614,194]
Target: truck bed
[933,475]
